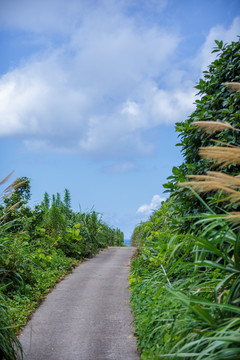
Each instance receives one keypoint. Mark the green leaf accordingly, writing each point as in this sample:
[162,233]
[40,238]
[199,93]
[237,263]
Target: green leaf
[203,314]
[216,265]
[219,43]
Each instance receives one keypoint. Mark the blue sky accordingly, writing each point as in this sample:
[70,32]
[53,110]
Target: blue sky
[90,92]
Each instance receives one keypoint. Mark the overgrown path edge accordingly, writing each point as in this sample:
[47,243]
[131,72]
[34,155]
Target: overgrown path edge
[87,316]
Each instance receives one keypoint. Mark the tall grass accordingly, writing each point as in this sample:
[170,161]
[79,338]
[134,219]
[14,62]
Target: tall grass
[186,287]
[218,249]
[8,340]
[9,344]
[186,290]
[39,246]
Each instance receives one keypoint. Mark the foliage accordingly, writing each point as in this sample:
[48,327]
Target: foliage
[37,248]
[21,193]
[185,292]
[138,235]
[8,340]
[215,103]
[9,344]
[185,279]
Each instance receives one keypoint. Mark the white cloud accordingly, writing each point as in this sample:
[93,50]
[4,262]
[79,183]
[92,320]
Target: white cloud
[146,209]
[130,108]
[55,16]
[101,85]
[84,95]
[170,106]
[205,57]
[63,16]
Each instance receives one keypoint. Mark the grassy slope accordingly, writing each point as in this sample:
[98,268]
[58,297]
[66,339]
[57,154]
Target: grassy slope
[185,289]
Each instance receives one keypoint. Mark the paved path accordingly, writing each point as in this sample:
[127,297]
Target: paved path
[87,315]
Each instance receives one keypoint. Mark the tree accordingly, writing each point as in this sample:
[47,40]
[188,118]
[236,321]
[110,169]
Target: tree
[58,200]
[67,199]
[46,201]
[21,194]
[15,204]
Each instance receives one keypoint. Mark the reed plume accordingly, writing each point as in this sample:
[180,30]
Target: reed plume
[210,182]
[234,217]
[217,177]
[222,156]
[233,86]
[211,127]
[10,189]
[6,178]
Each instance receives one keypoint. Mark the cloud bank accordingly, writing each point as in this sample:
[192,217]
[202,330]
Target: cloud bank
[93,92]
[98,80]
[218,32]
[146,209]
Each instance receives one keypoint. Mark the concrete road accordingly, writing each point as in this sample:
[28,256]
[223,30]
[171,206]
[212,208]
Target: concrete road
[87,316]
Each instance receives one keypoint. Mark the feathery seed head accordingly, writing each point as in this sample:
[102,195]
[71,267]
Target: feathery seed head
[223,156]
[233,86]
[213,126]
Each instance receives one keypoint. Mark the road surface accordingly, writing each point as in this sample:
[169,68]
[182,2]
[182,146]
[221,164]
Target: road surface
[87,316]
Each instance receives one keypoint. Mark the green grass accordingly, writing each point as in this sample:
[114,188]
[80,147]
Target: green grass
[37,249]
[8,340]
[185,290]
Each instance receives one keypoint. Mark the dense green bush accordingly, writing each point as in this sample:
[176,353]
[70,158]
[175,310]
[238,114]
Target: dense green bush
[185,290]
[8,340]
[185,278]
[37,248]
[216,103]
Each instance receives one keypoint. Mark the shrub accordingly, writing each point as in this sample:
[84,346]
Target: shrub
[217,104]
[186,278]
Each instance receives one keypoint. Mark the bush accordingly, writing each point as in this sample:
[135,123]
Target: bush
[185,280]
[37,248]
[217,104]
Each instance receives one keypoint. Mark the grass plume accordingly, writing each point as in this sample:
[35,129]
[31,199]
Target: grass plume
[233,217]
[215,180]
[223,156]
[10,189]
[233,86]
[211,127]
[6,178]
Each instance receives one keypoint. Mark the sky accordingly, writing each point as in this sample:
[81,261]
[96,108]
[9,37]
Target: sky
[90,91]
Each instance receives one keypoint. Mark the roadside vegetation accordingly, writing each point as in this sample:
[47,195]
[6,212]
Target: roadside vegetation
[185,276]
[38,247]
